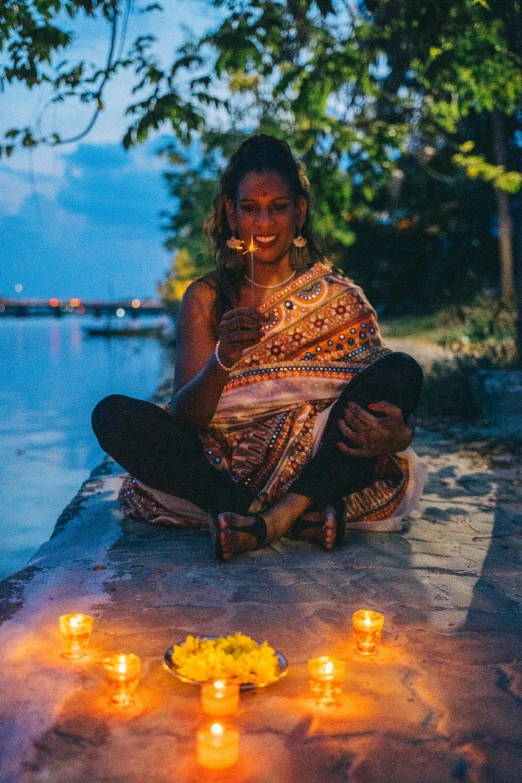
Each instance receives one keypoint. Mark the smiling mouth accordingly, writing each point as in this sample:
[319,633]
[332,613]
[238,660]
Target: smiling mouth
[265,241]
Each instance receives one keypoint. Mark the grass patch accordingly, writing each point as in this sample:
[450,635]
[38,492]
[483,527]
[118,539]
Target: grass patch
[422,327]
[478,336]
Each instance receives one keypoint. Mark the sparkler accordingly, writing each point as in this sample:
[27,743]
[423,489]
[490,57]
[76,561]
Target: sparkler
[250,249]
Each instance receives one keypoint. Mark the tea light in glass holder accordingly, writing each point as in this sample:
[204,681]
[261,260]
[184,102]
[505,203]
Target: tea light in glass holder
[326,679]
[75,630]
[218,746]
[367,627]
[219,697]
[122,674]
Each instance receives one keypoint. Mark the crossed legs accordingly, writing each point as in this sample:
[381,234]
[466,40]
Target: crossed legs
[162,453]
[331,475]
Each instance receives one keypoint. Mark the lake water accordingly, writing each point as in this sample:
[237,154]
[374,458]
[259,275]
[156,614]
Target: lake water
[51,377]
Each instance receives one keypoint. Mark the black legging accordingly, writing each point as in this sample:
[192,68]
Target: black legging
[167,455]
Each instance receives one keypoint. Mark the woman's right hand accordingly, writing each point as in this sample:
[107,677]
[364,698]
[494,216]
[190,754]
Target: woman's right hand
[239,329]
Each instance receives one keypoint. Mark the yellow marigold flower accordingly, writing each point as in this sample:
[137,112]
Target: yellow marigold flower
[236,657]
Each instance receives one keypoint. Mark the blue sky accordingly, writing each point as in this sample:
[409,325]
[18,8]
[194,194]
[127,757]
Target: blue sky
[83,220]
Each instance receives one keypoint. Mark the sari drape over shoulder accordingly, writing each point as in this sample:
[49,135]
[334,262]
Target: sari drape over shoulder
[272,412]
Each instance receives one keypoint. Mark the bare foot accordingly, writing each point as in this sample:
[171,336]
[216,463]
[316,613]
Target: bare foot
[321,529]
[234,541]
[329,529]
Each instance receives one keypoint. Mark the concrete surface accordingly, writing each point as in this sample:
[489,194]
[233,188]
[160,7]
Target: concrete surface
[441,702]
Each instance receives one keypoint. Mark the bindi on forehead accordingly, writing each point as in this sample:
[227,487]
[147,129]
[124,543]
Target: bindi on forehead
[263,185]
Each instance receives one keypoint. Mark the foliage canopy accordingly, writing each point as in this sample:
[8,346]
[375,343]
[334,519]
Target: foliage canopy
[388,103]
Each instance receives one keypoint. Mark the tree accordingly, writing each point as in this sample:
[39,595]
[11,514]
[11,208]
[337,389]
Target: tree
[35,39]
[370,90]
[372,93]
[361,88]
[177,280]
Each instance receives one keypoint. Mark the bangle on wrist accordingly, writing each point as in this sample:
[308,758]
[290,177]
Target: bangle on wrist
[218,360]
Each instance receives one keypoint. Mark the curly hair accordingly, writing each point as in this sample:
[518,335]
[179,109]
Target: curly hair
[258,153]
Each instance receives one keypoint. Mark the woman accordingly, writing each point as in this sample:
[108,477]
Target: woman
[287,410]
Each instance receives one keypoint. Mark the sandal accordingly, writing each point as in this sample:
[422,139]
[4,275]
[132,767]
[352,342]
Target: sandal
[257,529]
[302,524]
[340,524]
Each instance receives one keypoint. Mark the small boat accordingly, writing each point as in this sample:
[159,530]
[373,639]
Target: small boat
[124,331]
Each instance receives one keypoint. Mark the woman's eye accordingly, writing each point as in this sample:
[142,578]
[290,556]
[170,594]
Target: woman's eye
[253,208]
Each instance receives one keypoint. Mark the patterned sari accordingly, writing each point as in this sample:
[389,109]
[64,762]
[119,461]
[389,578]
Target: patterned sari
[272,412]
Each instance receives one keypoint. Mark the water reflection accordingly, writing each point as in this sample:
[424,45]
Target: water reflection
[51,379]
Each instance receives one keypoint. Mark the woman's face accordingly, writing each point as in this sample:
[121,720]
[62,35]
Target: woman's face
[266,211]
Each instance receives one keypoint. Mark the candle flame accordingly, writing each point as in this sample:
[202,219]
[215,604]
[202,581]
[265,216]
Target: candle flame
[328,667]
[75,621]
[216,729]
[219,685]
[122,664]
[367,619]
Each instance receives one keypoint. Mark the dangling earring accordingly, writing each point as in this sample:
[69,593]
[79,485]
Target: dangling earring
[300,241]
[299,253]
[235,243]
[233,258]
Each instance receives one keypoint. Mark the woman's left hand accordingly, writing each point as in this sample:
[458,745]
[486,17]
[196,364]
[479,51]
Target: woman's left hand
[374,435]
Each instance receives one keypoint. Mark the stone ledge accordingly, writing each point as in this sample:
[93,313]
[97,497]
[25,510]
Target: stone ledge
[441,702]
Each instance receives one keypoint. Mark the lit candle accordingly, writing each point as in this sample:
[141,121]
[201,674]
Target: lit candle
[218,746]
[326,679]
[75,630]
[122,674]
[219,697]
[367,627]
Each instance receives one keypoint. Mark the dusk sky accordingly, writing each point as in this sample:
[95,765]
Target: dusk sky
[83,220]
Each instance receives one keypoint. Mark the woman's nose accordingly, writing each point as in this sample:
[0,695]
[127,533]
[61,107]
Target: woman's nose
[264,217]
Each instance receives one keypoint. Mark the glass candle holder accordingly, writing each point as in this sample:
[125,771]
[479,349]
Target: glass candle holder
[326,679]
[75,630]
[122,674]
[219,697]
[218,746]
[367,627]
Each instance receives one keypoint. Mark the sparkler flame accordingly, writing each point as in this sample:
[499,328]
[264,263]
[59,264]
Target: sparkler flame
[251,249]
